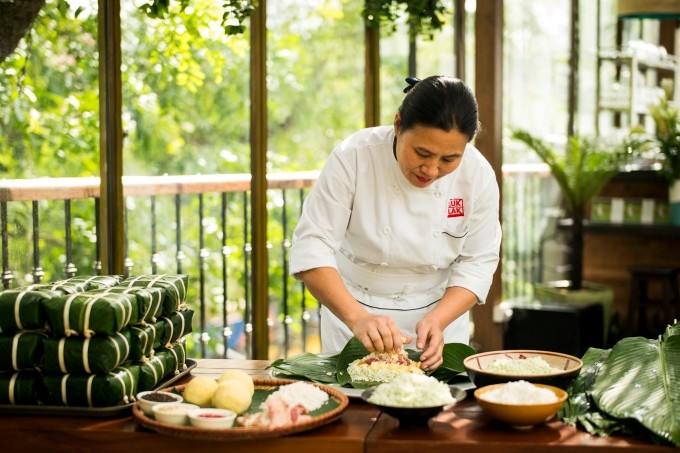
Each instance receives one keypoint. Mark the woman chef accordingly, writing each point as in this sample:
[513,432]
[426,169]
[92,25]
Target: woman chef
[400,237]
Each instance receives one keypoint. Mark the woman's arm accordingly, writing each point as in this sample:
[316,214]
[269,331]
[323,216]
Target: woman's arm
[377,333]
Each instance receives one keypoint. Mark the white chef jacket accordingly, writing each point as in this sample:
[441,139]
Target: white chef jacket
[397,246]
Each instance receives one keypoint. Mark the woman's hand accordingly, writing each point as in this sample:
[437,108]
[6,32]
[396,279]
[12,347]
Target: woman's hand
[430,340]
[379,333]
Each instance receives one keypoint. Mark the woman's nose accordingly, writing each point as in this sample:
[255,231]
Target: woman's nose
[430,168]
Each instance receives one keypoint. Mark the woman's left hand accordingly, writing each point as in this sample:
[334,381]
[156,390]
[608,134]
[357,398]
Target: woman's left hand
[430,340]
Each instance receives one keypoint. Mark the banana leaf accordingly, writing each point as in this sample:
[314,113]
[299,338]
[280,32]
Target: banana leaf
[308,367]
[632,389]
[333,369]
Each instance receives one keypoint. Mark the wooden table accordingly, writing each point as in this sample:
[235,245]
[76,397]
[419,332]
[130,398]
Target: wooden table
[361,428]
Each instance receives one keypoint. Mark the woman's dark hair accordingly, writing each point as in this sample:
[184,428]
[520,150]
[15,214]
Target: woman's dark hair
[442,102]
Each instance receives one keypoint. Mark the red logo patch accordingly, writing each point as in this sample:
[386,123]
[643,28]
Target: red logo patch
[455,208]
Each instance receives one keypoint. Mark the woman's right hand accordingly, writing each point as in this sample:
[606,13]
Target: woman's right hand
[379,333]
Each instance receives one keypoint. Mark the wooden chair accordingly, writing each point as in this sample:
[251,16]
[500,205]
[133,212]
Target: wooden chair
[641,306]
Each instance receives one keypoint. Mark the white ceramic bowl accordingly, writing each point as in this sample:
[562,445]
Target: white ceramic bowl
[146,400]
[521,416]
[566,368]
[212,418]
[173,413]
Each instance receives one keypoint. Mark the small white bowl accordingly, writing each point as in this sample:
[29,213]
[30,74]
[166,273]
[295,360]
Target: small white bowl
[146,400]
[173,413]
[212,418]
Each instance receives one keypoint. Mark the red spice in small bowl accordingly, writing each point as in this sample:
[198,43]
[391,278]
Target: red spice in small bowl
[211,416]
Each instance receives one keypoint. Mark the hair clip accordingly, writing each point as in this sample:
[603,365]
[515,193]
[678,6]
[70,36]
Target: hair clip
[411,83]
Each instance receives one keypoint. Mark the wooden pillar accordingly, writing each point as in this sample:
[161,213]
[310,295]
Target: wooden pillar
[372,76]
[258,186]
[488,89]
[110,229]
[459,37]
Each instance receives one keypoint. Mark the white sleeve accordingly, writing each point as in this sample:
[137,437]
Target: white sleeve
[325,215]
[475,266]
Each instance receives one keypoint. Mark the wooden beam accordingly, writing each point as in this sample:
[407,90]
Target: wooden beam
[110,229]
[258,169]
[489,88]
[372,76]
[459,38]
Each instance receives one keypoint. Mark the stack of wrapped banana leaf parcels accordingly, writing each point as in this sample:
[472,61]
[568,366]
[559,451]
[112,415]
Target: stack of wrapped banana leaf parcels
[91,341]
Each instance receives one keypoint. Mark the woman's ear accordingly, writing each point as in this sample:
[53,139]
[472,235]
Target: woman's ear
[397,123]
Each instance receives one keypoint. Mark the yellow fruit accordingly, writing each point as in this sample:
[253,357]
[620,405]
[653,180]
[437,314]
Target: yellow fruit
[240,376]
[232,395]
[200,391]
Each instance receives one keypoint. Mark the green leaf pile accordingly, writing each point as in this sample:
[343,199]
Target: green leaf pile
[333,369]
[631,389]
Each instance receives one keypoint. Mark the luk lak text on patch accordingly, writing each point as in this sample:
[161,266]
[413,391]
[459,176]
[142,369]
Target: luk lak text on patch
[455,208]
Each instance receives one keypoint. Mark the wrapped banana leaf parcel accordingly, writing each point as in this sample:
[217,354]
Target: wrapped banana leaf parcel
[175,326]
[174,286]
[22,350]
[61,286]
[631,389]
[21,387]
[22,309]
[90,313]
[149,300]
[95,355]
[95,282]
[143,340]
[119,386]
[164,363]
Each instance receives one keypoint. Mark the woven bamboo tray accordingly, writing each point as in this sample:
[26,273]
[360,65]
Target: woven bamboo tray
[328,413]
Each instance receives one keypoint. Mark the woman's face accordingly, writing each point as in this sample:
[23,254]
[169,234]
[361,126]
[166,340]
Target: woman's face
[426,153]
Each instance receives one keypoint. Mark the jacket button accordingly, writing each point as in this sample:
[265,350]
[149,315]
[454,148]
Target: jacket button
[387,231]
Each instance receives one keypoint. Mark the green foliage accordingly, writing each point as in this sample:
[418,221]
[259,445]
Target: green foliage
[333,369]
[185,111]
[584,168]
[667,121]
[424,17]
[630,389]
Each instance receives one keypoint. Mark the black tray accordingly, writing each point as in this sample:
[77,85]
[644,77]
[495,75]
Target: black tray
[74,411]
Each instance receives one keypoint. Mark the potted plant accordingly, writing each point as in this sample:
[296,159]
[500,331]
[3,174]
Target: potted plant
[667,140]
[581,171]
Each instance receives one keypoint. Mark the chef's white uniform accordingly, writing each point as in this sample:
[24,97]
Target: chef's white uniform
[396,246]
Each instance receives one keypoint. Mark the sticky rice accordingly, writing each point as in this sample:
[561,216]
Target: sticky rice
[382,367]
[532,365]
[520,392]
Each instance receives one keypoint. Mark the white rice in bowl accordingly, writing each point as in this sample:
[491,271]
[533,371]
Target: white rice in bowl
[531,365]
[412,390]
[520,392]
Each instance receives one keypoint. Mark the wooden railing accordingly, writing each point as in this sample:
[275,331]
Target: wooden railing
[199,225]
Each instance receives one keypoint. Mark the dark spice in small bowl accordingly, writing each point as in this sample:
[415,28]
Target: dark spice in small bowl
[159,397]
